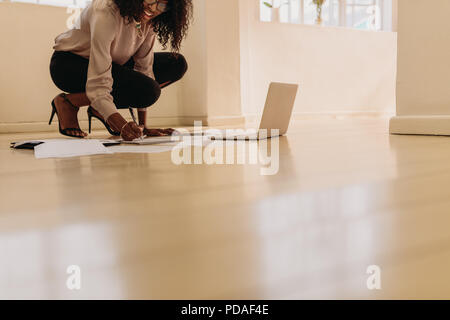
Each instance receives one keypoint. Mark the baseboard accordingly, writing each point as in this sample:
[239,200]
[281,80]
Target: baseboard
[421,125]
[328,115]
[40,126]
[223,121]
[341,115]
[17,127]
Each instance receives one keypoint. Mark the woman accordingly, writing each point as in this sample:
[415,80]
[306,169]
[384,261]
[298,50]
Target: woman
[107,62]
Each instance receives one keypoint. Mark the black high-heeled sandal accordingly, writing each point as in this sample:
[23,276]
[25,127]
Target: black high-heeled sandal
[66,130]
[90,113]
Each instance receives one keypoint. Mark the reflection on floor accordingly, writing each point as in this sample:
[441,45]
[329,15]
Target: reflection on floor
[347,196]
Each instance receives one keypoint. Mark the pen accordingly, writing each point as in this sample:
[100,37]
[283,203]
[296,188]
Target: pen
[134,119]
[132,115]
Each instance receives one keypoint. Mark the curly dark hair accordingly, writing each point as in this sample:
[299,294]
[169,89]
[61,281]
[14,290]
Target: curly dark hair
[170,27]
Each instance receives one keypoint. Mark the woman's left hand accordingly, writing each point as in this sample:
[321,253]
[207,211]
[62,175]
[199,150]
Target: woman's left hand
[158,132]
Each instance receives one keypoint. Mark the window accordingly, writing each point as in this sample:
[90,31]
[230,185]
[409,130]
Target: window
[359,14]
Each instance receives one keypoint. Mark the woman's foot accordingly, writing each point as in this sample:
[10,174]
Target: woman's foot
[68,116]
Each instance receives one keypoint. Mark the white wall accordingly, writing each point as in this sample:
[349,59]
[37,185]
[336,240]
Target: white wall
[223,58]
[424,68]
[339,70]
[423,95]
[211,90]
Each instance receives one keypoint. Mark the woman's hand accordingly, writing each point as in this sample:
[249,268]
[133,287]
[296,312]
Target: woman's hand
[128,130]
[158,132]
[142,115]
[131,131]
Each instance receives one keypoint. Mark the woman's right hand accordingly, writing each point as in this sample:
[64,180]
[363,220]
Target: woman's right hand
[128,130]
[131,131]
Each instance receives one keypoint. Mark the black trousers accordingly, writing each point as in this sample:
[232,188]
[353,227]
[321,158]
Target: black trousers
[130,88]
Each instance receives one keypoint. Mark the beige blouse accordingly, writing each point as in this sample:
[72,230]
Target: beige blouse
[102,35]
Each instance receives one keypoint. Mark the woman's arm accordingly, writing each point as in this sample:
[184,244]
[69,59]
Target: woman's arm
[103,25]
[99,83]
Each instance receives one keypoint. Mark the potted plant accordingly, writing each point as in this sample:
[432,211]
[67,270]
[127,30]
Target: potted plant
[275,10]
[319,4]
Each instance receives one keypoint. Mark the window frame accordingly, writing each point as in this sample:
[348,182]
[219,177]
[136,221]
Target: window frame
[385,7]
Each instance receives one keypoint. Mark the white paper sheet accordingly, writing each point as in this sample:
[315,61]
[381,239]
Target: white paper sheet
[20,143]
[149,140]
[62,148]
[159,146]
[141,149]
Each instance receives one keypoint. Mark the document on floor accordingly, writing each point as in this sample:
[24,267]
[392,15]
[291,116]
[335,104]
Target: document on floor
[141,148]
[149,140]
[27,144]
[63,148]
[158,145]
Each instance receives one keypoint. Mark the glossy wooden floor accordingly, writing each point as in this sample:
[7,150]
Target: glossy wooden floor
[347,196]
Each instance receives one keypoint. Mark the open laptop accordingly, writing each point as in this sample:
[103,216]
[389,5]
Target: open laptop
[276,116]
